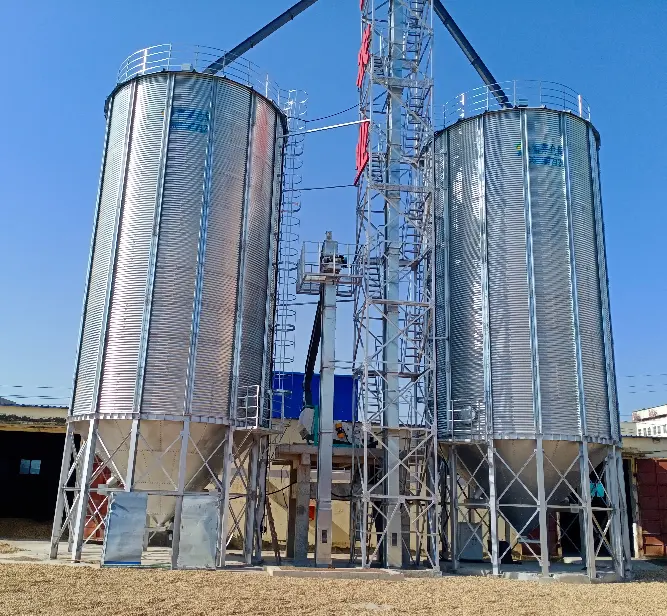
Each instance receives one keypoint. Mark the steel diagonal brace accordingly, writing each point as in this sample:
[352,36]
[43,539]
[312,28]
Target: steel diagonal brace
[157,460]
[218,485]
[402,463]
[516,476]
[258,37]
[519,534]
[109,460]
[470,53]
[94,513]
[563,478]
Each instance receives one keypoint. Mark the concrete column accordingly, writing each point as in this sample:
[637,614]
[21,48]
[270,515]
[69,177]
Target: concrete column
[291,512]
[301,515]
[323,526]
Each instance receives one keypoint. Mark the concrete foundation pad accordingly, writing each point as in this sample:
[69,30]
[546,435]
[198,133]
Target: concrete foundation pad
[336,574]
[529,572]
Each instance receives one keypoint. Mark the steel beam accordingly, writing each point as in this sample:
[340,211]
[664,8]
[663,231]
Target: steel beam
[251,502]
[470,53]
[393,552]
[61,498]
[227,465]
[258,36]
[323,524]
[182,461]
[453,507]
[81,507]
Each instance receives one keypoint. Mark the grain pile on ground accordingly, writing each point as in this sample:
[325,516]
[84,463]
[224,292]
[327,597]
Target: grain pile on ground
[61,590]
[5,548]
[21,528]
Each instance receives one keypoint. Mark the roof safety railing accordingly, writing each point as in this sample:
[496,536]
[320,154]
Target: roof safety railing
[198,58]
[523,93]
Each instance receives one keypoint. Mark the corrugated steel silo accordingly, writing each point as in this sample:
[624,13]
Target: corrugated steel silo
[523,335]
[179,306]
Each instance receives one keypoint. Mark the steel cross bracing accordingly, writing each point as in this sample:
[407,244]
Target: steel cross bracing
[395,482]
[475,510]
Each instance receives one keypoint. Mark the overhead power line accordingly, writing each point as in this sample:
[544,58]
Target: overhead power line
[320,187]
[332,115]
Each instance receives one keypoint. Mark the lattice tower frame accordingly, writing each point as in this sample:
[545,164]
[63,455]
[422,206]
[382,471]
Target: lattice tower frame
[395,483]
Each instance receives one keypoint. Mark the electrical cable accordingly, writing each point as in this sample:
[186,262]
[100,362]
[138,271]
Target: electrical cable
[320,187]
[37,386]
[332,115]
[267,494]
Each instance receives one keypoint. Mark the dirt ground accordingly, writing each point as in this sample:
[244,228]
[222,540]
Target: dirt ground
[62,590]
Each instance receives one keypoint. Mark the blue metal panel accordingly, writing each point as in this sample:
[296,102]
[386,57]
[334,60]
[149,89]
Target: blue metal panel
[344,398]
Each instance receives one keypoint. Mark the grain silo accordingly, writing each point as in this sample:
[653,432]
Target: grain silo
[527,407]
[179,305]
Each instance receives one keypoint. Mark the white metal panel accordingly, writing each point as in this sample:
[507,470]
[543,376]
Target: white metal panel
[175,271]
[465,276]
[199,532]
[218,317]
[128,298]
[551,263]
[511,373]
[124,531]
[588,281]
[441,199]
[258,235]
[102,255]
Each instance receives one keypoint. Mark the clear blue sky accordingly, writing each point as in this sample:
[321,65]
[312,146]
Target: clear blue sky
[60,61]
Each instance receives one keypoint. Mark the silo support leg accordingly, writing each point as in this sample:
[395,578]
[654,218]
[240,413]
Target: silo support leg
[84,490]
[543,511]
[493,508]
[453,509]
[61,499]
[588,539]
[225,481]
[616,493]
[251,503]
[625,526]
[176,534]
[132,455]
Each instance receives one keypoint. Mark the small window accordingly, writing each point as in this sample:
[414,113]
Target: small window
[30,467]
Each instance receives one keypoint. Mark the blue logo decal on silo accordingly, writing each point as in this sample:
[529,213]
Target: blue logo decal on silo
[194,120]
[547,154]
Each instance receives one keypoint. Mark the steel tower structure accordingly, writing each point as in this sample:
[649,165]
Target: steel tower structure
[395,487]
